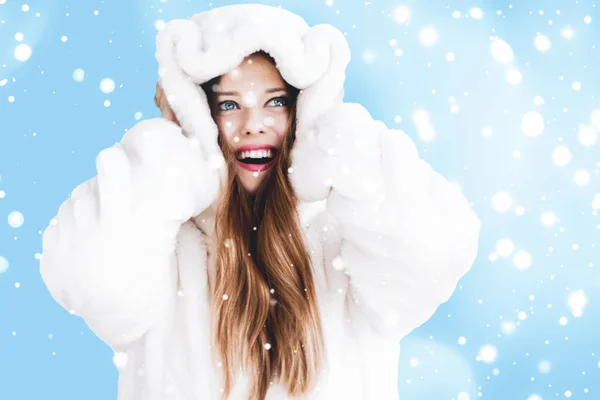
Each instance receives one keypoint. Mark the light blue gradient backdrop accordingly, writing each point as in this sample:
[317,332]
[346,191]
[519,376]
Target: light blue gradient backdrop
[52,132]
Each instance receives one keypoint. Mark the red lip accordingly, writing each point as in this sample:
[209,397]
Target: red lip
[257,167]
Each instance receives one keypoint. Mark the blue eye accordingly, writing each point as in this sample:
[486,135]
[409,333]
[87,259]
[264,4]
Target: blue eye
[227,105]
[278,101]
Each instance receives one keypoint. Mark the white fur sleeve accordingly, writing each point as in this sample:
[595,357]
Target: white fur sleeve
[408,235]
[109,255]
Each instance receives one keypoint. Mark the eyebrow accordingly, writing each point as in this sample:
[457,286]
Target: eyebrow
[273,90]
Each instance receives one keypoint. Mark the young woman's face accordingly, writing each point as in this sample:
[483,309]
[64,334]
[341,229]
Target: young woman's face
[251,112]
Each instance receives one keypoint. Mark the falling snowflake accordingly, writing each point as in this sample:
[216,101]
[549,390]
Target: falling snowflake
[502,202]
[401,14]
[542,43]
[78,75]
[15,219]
[428,36]
[476,13]
[587,134]
[561,156]
[501,51]
[532,124]
[522,259]
[107,85]
[487,354]
[23,52]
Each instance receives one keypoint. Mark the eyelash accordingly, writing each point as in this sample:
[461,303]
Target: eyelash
[282,98]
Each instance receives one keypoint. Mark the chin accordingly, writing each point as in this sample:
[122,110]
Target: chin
[249,182]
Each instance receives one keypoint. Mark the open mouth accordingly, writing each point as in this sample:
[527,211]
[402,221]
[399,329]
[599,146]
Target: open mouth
[257,157]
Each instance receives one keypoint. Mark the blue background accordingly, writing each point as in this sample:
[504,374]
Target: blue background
[52,132]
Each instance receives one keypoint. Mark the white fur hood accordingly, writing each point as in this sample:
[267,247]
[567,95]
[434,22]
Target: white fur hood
[191,52]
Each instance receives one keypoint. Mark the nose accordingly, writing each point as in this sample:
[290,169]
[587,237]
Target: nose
[254,121]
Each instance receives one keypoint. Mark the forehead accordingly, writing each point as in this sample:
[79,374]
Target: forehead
[253,72]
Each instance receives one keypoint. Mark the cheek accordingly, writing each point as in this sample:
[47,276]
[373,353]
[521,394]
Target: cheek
[228,127]
[278,124]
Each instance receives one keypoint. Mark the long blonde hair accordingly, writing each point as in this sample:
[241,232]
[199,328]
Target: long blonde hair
[265,318]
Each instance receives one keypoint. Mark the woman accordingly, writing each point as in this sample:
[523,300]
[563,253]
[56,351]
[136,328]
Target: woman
[263,239]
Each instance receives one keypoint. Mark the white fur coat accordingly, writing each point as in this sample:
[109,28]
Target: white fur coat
[130,250]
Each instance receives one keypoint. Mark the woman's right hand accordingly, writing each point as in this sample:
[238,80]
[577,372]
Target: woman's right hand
[160,99]
[155,173]
[109,255]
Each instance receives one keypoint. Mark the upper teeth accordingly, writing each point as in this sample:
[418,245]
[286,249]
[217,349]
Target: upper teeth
[255,154]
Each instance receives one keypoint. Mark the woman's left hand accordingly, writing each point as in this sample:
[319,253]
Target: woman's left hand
[342,152]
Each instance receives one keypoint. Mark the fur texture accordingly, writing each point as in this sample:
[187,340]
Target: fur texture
[389,237]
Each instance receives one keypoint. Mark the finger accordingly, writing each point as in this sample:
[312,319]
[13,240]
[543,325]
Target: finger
[158,97]
[114,185]
[175,119]
[167,113]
